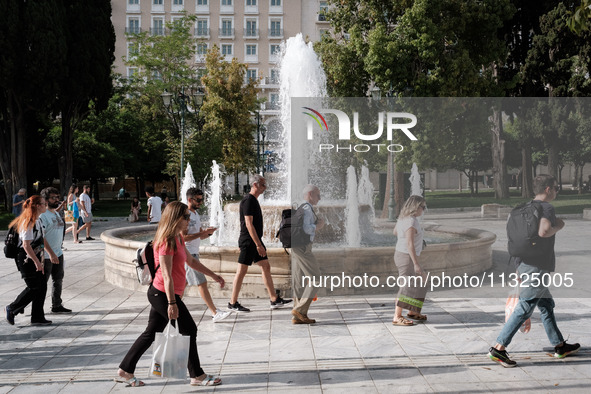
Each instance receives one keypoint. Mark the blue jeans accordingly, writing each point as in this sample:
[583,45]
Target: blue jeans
[529,297]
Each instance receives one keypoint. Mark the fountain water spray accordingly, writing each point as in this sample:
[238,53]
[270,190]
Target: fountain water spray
[416,187]
[301,75]
[353,232]
[214,203]
[188,182]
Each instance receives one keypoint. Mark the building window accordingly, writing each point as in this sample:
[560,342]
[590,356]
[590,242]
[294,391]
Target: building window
[201,2]
[251,28]
[177,2]
[158,27]
[227,2]
[133,26]
[131,72]
[157,2]
[226,30]
[132,50]
[275,3]
[251,50]
[274,76]
[227,49]
[275,50]
[275,30]
[251,75]
[251,3]
[133,2]
[202,29]
[202,48]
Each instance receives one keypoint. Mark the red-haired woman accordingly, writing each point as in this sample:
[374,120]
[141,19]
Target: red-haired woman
[30,263]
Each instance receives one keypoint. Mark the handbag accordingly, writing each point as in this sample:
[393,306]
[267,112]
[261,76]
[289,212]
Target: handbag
[170,354]
[69,216]
[512,301]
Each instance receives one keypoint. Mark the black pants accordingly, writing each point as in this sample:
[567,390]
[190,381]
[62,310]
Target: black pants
[56,272]
[34,292]
[157,323]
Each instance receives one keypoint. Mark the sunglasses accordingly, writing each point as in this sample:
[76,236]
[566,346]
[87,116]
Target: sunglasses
[187,216]
[200,199]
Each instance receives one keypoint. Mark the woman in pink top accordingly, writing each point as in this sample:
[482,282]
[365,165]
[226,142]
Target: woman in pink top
[165,294]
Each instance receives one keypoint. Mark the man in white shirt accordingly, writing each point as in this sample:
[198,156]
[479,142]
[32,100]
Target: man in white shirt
[193,238]
[53,230]
[154,206]
[86,211]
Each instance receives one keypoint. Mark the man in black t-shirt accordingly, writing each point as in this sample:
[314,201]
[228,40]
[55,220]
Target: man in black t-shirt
[532,290]
[251,246]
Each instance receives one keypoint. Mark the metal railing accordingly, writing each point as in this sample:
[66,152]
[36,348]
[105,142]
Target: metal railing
[226,32]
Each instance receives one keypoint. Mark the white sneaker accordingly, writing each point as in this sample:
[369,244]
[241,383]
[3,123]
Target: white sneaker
[220,315]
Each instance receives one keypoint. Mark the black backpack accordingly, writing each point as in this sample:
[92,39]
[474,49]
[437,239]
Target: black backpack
[11,244]
[291,232]
[145,264]
[522,231]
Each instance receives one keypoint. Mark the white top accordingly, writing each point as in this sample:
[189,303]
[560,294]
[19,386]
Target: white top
[156,213]
[194,227]
[85,198]
[401,227]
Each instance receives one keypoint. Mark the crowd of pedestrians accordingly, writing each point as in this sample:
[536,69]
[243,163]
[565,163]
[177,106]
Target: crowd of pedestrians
[179,231]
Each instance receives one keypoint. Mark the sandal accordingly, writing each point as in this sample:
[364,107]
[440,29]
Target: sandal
[417,317]
[401,321]
[208,380]
[131,382]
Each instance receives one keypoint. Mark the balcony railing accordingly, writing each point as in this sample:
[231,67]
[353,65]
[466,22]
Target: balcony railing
[157,31]
[133,30]
[278,33]
[271,81]
[226,32]
[251,33]
[202,32]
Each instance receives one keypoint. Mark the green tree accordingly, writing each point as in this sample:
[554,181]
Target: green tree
[33,48]
[228,112]
[90,41]
[417,48]
[559,60]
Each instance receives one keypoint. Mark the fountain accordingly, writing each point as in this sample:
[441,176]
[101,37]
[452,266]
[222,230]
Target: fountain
[348,244]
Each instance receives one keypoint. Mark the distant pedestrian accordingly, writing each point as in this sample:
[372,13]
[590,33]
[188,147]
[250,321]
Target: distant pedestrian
[193,238]
[136,209]
[304,262]
[86,212]
[252,248]
[154,206]
[30,262]
[74,212]
[53,230]
[164,295]
[17,202]
[408,249]
[532,290]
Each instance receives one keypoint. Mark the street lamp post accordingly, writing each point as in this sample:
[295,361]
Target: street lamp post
[376,95]
[182,100]
[263,132]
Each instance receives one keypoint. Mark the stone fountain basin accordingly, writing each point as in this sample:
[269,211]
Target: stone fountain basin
[466,257]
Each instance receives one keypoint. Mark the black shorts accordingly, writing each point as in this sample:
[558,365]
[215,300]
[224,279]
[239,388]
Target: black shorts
[249,254]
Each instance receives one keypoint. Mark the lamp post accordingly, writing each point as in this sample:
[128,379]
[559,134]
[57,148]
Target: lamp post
[263,132]
[376,95]
[182,99]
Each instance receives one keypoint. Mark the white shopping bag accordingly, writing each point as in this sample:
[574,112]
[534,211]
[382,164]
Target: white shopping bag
[170,354]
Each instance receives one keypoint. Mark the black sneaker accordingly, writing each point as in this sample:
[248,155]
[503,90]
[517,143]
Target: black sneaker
[89,239]
[237,307]
[9,316]
[566,350]
[61,309]
[43,322]
[279,303]
[501,357]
